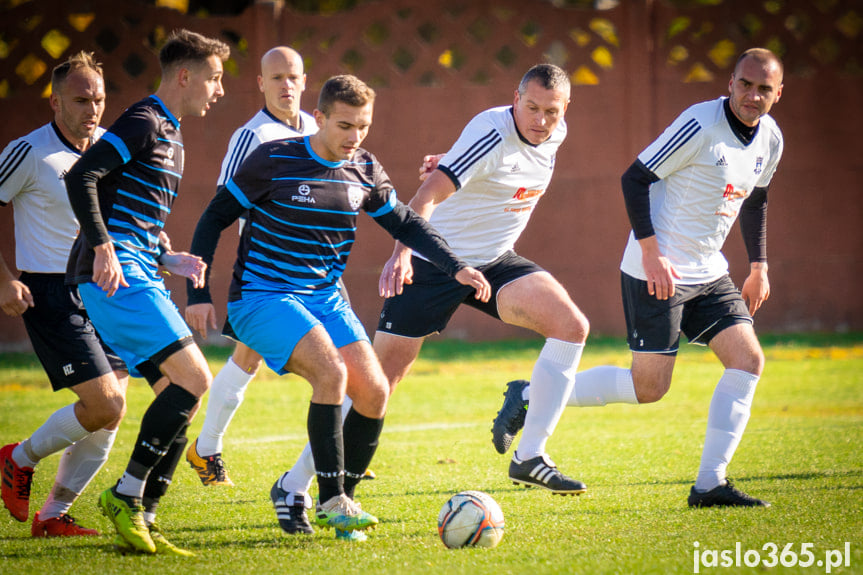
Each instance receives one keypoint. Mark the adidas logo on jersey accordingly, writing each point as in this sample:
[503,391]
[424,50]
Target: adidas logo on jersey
[515,168]
[721,162]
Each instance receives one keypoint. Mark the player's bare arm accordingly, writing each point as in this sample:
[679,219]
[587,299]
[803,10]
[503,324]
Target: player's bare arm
[756,287]
[398,271]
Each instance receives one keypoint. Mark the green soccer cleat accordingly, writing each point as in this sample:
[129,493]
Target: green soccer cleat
[343,513]
[165,547]
[128,520]
[351,536]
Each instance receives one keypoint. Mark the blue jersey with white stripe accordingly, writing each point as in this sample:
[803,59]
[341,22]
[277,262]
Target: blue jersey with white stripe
[302,215]
[136,197]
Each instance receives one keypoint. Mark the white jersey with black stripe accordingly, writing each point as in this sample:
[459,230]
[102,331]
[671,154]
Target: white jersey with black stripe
[31,177]
[705,174]
[499,178]
[262,127]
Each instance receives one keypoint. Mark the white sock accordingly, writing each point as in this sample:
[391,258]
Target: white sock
[78,465]
[58,432]
[131,486]
[299,478]
[551,384]
[726,421]
[602,385]
[226,395]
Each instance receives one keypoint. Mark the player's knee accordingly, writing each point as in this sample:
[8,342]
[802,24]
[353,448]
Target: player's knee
[577,328]
[247,360]
[650,389]
[103,412]
[752,363]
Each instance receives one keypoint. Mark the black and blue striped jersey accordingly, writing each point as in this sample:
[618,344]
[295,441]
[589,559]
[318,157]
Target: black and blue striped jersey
[302,215]
[136,168]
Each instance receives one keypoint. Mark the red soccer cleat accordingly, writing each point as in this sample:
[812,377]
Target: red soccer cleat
[63,526]
[15,485]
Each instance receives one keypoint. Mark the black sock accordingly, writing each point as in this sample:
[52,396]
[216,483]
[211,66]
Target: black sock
[161,476]
[361,441]
[164,419]
[325,439]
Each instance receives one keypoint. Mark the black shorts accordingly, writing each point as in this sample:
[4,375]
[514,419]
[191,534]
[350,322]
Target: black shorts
[63,338]
[700,311]
[425,306]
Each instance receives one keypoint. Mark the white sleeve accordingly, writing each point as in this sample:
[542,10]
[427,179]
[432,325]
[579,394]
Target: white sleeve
[243,142]
[773,163]
[675,148]
[17,169]
[476,152]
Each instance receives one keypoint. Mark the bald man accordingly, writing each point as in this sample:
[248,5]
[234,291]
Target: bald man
[282,81]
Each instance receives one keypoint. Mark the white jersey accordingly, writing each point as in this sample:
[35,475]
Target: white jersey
[262,127]
[499,178]
[705,174]
[32,169]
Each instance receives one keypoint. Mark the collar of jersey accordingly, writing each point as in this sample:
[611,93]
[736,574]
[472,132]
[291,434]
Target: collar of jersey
[319,159]
[278,121]
[165,109]
[63,139]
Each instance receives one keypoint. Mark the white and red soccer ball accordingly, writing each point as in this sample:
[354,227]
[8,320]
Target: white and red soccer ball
[470,519]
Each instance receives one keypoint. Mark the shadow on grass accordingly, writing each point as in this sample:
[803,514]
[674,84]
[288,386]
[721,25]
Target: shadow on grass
[804,476]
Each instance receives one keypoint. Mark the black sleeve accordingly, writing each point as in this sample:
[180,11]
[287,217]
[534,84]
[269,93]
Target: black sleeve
[81,187]
[636,182]
[753,224]
[224,209]
[407,227]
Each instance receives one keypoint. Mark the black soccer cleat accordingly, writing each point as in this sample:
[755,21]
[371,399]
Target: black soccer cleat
[510,419]
[723,496]
[290,510]
[542,472]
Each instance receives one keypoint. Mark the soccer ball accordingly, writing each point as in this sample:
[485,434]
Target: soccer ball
[470,518]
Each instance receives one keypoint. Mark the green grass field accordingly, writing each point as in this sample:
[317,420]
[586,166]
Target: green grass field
[801,452]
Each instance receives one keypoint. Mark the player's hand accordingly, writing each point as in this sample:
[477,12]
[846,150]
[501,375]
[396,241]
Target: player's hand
[756,288]
[186,265]
[473,277]
[658,269]
[15,298]
[200,317]
[397,272]
[107,271]
[429,165]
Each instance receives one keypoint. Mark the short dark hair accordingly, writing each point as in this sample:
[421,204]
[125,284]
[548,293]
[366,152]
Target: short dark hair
[187,46]
[80,61]
[762,56]
[548,76]
[346,89]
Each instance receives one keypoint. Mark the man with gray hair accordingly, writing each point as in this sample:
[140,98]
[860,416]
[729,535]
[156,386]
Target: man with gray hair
[480,197]
[683,193]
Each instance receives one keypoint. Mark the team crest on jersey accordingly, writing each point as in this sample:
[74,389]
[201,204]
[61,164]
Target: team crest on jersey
[355,197]
[304,197]
[758,162]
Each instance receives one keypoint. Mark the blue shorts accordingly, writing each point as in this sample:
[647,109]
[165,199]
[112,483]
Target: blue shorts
[273,323]
[139,322]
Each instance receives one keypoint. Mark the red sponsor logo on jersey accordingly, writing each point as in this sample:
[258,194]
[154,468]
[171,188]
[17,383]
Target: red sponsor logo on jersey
[732,194]
[525,194]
